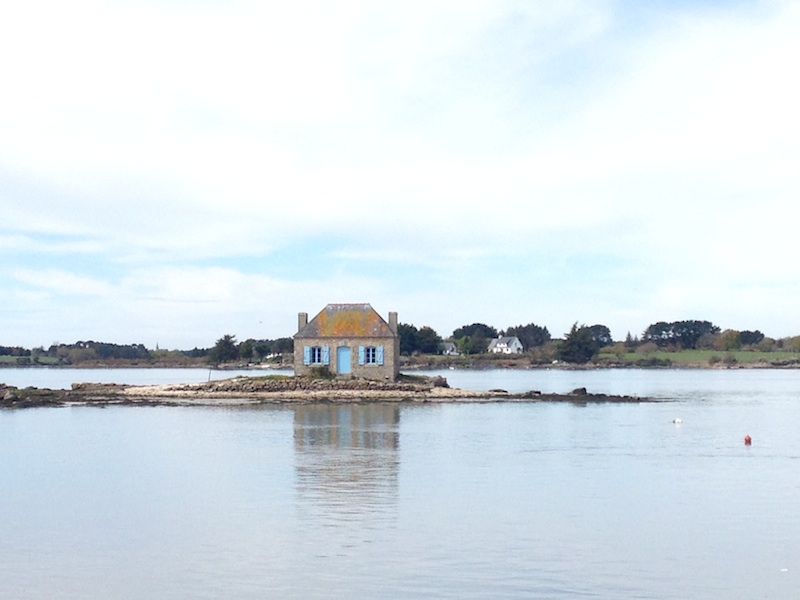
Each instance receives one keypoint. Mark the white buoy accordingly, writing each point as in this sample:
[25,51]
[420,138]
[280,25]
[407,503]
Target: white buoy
[677,421]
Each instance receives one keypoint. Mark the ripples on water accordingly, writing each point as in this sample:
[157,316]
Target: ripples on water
[407,501]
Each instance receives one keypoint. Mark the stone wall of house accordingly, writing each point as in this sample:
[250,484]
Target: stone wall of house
[387,371]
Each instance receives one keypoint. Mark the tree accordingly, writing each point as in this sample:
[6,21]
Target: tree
[619,349]
[472,344]
[583,342]
[262,348]
[688,333]
[428,341]
[14,351]
[408,338]
[579,346]
[196,352]
[730,339]
[283,345]
[658,333]
[683,334]
[479,329]
[706,341]
[601,335]
[751,338]
[630,341]
[224,350]
[767,345]
[647,348]
[792,344]
[259,349]
[424,340]
[81,353]
[530,335]
[246,350]
[474,339]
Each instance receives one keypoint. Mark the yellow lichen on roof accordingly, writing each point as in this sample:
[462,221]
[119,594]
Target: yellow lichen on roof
[347,320]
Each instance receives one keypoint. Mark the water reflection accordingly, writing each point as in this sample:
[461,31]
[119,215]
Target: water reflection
[346,461]
[373,426]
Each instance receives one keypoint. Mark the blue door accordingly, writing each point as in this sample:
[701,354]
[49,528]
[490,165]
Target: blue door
[343,360]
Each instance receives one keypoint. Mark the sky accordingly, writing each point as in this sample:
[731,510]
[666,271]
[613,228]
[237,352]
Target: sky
[174,171]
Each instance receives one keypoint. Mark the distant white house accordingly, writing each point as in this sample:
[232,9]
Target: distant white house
[448,349]
[505,345]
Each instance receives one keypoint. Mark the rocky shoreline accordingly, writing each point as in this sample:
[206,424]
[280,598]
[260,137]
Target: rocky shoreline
[246,391]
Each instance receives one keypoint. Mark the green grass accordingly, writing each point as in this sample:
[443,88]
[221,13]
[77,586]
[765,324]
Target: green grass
[705,357]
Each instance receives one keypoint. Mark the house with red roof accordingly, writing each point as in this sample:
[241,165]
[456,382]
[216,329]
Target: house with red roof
[349,340]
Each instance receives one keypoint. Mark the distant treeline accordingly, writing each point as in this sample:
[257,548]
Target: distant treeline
[94,352]
[78,352]
[580,344]
[584,342]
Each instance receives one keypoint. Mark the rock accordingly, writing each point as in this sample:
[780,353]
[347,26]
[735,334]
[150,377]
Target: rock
[578,392]
[440,381]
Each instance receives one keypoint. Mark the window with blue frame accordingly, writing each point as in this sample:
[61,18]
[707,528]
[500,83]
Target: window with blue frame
[316,355]
[370,355]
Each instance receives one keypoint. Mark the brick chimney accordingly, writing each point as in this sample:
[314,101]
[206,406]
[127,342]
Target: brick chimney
[393,322]
[302,321]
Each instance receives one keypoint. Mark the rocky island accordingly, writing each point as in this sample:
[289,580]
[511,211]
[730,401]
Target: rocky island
[246,391]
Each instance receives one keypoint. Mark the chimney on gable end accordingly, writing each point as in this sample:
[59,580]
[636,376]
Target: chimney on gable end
[393,322]
[302,321]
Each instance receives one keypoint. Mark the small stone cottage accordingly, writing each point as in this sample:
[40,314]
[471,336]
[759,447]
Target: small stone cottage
[350,340]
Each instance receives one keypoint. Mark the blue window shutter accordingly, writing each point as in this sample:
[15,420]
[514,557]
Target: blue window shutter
[306,355]
[326,355]
[379,352]
[361,355]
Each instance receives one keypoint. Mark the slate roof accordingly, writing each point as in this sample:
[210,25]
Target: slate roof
[346,320]
[502,341]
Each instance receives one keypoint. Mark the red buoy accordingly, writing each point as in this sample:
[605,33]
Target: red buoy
[747,440]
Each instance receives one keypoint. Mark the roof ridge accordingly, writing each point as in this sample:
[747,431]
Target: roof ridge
[349,304]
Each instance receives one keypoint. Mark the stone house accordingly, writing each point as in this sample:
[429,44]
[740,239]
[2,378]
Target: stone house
[505,345]
[350,340]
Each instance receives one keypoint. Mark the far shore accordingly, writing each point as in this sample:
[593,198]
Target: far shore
[251,391]
[662,359]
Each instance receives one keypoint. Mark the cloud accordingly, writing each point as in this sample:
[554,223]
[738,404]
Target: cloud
[177,307]
[62,282]
[187,165]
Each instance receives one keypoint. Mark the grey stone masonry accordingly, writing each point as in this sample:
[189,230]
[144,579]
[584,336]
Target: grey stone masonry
[350,341]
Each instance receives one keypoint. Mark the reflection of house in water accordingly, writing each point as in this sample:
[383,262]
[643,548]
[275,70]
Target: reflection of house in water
[346,457]
[349,426]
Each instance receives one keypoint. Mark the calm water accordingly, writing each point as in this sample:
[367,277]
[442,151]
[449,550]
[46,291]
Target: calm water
[62,379]
[385,501]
